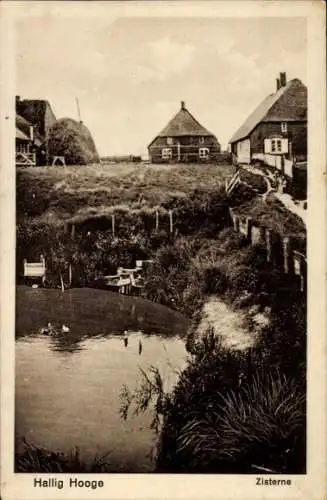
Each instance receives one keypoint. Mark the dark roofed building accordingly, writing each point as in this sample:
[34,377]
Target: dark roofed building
[38,112]
[184,140]
[277,126]
[33,121]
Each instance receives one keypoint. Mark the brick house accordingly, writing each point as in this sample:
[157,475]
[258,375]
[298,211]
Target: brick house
[278,126]
[184,140]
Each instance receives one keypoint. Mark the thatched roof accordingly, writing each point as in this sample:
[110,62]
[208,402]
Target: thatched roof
[72,140]
[289,103]
[23,131]
[38,112]
[21,136]
[184,124]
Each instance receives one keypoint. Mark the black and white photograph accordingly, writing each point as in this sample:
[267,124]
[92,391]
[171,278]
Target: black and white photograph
[161,182]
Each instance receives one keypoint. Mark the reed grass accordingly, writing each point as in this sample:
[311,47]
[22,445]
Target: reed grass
[35,458]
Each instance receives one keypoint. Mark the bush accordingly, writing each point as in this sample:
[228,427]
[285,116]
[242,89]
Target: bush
[230,413]
[38,459]
[261,426]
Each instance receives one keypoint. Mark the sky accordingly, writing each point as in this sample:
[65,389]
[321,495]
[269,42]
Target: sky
[131,73]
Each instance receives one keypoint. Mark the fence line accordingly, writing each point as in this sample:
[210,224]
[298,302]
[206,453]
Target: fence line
[279,249]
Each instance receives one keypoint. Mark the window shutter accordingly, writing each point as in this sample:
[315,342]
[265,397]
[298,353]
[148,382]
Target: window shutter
[285,145]
[267,146]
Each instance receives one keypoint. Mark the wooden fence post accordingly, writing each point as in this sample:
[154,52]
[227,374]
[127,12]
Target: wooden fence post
[288,257]
[171,221]
[236,221]
[70,275]
[113,224]
[268,244]
[231,216]
[157,220]
[303,276]
[248,228]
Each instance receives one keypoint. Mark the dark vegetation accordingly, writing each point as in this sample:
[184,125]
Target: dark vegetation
[32,458]
[231,411]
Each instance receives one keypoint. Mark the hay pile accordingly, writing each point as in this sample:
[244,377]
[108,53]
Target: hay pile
[73,140]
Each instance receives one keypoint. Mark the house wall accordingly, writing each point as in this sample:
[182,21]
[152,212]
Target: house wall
[296,133]
[188,151]
[243,151]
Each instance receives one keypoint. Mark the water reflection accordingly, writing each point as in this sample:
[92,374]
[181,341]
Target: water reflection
[88,312]
[63,400]
[67,343]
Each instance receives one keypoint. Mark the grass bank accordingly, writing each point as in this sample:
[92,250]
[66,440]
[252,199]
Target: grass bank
[66,214]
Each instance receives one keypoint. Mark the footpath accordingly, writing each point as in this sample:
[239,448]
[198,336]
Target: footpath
[284,198]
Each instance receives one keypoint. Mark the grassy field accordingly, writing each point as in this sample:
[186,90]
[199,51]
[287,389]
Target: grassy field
[66,192]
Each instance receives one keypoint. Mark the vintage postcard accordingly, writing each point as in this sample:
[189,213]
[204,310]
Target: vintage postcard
[163,250]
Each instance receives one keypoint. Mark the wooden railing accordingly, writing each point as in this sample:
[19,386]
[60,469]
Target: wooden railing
[25,159]
[35,269]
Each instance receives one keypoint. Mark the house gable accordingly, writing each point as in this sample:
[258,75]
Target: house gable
[183,124]
[37,112]
[292,105]
[289,103]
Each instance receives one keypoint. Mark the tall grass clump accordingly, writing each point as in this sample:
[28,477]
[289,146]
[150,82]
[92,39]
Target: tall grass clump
[33,458]
[233,413]
[259,427]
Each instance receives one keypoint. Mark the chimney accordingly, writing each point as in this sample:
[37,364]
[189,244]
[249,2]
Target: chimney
[17,100]
[182,104]
[277,84]
[32,133]
[282,77]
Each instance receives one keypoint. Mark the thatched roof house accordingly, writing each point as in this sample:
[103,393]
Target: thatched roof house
[37,112]
[185,140]
[38,132]
[277,125]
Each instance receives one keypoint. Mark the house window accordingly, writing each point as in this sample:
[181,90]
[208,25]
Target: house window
[169,141]
[276,145]
[284,127]
[166,153]
[201,140]
[204,153]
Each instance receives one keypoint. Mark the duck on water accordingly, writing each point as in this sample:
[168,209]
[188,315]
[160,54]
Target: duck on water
[51,330]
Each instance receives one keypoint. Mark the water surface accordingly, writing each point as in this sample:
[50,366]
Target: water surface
[67,387]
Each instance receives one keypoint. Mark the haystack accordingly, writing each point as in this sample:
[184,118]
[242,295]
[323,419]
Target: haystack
[73,140]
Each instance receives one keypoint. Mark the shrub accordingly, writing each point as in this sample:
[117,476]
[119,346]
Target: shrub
[38,459]
[261,426]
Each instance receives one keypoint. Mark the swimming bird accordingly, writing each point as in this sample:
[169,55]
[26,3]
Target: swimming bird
[46,330]
[65,329]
